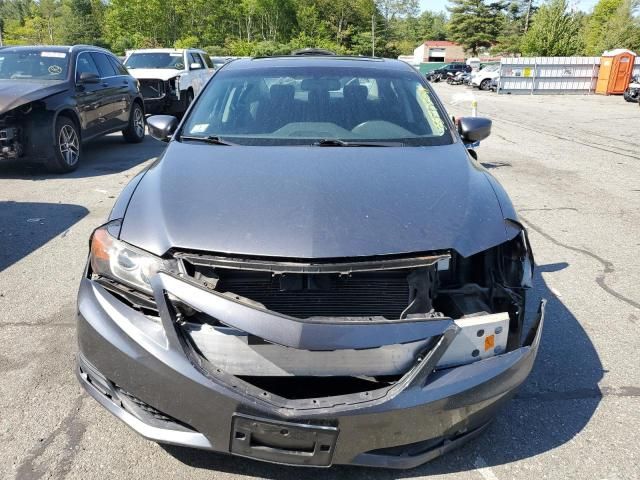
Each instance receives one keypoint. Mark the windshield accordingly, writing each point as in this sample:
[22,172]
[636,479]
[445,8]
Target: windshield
[41,65]
[302,105]
[155,60]
[491,68]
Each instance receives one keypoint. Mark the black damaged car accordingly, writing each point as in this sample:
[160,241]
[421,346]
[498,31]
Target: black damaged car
[314,272]
[54,98]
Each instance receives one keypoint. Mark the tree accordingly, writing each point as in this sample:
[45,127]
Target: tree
[612,25]
[475,23]
[555,32]
[82,22]
[516,18]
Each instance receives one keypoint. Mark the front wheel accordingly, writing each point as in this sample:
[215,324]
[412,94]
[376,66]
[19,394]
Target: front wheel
[485,84]
[67,148]
[134,133]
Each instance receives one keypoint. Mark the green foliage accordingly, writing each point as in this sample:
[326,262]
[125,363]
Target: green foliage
[612,25]
[516,19]
[275,27]
[475,23]
[555,32]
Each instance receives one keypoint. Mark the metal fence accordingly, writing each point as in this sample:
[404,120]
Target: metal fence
[549,75]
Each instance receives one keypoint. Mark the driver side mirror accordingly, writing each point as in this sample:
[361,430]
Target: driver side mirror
[195,66]
[473,129]
[88,77]
[162,127]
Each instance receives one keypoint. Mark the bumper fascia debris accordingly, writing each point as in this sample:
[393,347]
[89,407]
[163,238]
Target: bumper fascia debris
[180,401]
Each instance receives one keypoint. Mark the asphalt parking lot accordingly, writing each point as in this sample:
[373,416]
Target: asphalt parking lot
[572,167]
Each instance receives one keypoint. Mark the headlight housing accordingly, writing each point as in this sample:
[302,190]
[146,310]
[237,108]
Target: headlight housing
[124,263]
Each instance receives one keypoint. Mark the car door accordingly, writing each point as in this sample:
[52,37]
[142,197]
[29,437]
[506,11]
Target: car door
[110,99]
[89,96]
[126,86]
[208,68]
[196,67]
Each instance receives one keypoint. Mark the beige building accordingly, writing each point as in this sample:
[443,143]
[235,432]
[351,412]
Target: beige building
[438,51]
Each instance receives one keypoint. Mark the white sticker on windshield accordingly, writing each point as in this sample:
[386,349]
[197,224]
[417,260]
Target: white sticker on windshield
[200,127]
[175,54]
[53,54]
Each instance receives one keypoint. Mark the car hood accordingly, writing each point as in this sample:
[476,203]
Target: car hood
[14,93]
[154,73]
[314,202]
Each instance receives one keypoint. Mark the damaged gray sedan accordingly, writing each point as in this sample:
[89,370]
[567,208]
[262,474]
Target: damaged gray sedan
[316,271]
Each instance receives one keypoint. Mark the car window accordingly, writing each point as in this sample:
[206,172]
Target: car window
[155,60]
[207,60]
[301,105]
[85,64]
[195,58]
[104,65]
[120,70]
[31,64]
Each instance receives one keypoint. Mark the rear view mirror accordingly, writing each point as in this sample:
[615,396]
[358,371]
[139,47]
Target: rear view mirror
[474,129]
[88,77]
[162,127]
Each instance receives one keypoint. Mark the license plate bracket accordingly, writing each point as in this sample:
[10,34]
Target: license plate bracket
[282,442]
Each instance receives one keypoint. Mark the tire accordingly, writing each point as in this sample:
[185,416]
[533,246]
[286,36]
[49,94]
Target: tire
[485,84]
[134,133]
[67,148]
[631,97]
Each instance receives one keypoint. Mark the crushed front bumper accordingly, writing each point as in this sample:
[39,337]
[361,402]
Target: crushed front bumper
[10,143]
[160,97]
[174,401]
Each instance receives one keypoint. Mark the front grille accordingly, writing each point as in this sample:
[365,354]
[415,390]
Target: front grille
[152,89]
[383,294]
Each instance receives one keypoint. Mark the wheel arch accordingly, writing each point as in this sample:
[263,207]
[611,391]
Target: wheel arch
[71,114]
[140,102]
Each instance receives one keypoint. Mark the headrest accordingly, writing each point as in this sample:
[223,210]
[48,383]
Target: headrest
[282,93]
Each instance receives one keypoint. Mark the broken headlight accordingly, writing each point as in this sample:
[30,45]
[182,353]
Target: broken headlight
[124,263]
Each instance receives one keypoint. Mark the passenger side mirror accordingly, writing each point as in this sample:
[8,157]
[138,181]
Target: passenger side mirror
[162,127]
[474,129]
[88,77]
[195,66]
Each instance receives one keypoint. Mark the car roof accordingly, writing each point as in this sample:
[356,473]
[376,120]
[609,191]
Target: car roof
[53,48]
[165,50]
[320,61]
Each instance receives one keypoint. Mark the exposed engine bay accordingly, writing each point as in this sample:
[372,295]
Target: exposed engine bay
[13,126]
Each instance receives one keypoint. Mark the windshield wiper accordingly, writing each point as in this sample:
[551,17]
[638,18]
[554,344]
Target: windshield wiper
[211,140]
[334,142]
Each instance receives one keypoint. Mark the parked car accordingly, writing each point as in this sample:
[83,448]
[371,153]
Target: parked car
[632,93]
[441,73]
[219,61]
[54,98]
[169,78]
[315,272]
[483,77]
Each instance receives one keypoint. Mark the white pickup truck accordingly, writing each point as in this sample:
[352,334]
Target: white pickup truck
[169,78]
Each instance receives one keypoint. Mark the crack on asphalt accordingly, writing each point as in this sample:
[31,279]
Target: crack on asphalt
[73,428]
[608,267]
[502,137]
[40,325]
[581,394]
[548,209]
[596,146]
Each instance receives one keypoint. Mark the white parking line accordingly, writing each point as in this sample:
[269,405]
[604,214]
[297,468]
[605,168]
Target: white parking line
[484,469]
